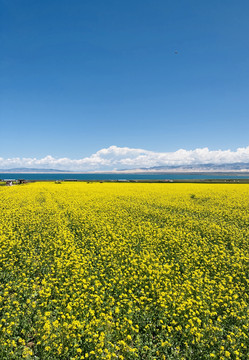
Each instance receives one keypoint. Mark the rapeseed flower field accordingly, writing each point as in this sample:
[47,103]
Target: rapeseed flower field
[124,271]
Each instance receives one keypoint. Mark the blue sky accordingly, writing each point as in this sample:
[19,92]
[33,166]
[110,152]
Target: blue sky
[80,76]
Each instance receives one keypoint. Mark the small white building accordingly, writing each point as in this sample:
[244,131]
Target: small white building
[9,182]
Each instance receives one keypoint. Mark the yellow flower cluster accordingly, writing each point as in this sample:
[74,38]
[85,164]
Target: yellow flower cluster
[124,271]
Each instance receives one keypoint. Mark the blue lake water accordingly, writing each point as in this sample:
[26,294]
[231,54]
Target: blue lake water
[145,176]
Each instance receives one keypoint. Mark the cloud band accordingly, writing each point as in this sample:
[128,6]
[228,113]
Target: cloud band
[116,158]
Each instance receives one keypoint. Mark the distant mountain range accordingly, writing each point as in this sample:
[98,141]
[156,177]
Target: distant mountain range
[31,170]
[202,167]
[170,168]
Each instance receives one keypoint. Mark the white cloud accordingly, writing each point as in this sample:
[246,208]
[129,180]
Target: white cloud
[115,157]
